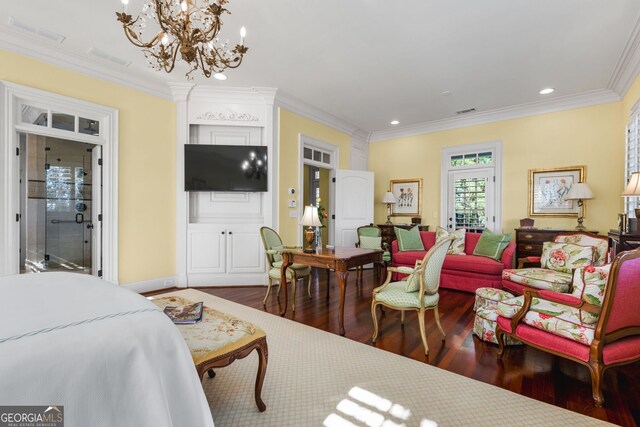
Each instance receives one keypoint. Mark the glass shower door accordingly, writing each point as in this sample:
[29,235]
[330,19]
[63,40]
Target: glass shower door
[59,205]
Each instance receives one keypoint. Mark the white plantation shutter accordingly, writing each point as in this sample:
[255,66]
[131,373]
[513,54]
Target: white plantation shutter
[632,157]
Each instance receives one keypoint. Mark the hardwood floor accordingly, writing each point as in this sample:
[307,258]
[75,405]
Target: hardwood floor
[523,370]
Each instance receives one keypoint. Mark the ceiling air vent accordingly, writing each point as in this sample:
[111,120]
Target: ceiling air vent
[108,57]
[466,110]
[40,32]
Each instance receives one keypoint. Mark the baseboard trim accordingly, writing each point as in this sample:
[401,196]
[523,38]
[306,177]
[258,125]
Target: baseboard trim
[217,280]
[152,285]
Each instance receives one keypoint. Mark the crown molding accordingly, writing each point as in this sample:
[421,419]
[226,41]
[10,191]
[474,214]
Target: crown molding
[180,91]
[628,65]
[294,105]
[28,46]
[585,99]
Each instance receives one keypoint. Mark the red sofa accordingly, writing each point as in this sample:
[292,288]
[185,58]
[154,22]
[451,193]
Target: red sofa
[463,272]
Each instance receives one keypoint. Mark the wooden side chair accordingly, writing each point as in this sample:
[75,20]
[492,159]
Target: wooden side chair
[418,291]
[370,237]
[273,247]
[597,325]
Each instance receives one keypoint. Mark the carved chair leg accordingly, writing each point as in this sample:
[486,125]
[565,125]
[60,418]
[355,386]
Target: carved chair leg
[264,302]
[211,373]
[375,321]
[309,285]
[437,316]
[263,357]
[423,334]
[294,282]
[597,369]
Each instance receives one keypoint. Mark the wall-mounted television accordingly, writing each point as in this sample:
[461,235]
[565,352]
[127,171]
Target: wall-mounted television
[225,168]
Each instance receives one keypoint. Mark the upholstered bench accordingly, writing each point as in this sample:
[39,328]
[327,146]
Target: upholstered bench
[484,324]
[219,339]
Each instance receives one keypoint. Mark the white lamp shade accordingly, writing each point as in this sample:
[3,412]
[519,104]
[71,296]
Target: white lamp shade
[579,191]
[388,197]
[633,188]
[310,217]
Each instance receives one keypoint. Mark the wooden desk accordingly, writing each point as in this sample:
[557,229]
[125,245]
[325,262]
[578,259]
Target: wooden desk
[619,242]
[339,259]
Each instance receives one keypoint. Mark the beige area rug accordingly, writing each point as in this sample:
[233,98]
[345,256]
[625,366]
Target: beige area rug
[315,378]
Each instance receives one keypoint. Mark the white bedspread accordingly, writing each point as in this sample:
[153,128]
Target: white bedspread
[108,355]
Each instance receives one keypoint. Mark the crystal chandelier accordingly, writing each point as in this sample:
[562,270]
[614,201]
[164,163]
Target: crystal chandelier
[189,27]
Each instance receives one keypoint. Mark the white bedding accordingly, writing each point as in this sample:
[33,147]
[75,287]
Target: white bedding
[108,355]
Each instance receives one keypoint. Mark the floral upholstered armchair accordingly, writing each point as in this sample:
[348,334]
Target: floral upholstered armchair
[597,325]
[559,258]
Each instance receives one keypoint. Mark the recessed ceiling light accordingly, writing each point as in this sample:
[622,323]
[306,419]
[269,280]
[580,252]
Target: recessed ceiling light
[546,91]
[219,76]
[395,122]
[445,93]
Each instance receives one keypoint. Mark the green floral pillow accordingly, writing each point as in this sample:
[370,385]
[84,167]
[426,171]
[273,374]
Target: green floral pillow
[457,247]
[589,283]
[409,240]
[564,257]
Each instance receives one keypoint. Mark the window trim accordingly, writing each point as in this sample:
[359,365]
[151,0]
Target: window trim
[445,167]
[631,203]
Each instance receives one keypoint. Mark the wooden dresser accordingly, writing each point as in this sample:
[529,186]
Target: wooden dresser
[389,235]
[529,240]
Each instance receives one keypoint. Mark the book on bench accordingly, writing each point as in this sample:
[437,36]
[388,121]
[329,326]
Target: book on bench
[186,314]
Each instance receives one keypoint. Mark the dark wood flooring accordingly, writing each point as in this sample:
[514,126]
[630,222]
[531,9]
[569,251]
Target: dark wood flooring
[524,370]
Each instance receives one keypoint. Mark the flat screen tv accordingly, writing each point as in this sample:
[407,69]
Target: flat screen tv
[225,168]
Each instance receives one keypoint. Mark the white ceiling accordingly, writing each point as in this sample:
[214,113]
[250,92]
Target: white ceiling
[371,61]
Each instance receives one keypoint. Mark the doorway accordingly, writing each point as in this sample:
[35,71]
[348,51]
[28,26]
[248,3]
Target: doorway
[471,195]
[58,185]
[316,193]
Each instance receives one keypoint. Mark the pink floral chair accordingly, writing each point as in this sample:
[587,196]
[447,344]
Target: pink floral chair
[597,325]
[559,258]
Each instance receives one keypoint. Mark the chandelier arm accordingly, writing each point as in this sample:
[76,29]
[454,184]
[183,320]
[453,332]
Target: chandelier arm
[206,69]
[173,59]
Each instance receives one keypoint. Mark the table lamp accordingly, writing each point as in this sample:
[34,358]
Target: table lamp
[310,219]
[633,189]
[389,199]
[580,192]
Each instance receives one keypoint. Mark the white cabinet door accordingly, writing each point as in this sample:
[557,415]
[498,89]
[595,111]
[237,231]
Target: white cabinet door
[353,207]
[206,249]
[245,252]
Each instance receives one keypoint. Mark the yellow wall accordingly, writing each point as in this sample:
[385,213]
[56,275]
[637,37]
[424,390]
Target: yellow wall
[591,136]
[290,126]
[147,241]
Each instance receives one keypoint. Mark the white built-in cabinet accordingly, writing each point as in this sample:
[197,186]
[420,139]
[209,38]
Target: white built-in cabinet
[219,249]
[218,233]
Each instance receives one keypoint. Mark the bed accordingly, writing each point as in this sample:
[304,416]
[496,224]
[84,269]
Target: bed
[105,353]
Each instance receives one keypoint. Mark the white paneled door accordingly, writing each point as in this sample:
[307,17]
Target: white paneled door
[353,204]
[471,199]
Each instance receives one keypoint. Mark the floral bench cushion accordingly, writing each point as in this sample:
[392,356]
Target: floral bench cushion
[488,298]
[539,278]
[589,283]
[568,322]
[601,246]
[215,335]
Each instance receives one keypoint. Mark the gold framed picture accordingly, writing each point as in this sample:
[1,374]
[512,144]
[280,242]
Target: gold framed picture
[548,189]
[408,193]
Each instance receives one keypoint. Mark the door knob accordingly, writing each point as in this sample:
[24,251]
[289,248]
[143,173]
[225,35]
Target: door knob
[231,232]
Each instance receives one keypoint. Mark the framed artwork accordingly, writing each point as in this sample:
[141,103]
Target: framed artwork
[548,190]
[408,194]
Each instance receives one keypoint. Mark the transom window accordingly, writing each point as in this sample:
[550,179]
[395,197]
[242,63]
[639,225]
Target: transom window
[48,118]
[317,155]
[485,158]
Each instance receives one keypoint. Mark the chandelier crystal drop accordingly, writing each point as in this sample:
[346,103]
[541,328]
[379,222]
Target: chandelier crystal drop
[188,27]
